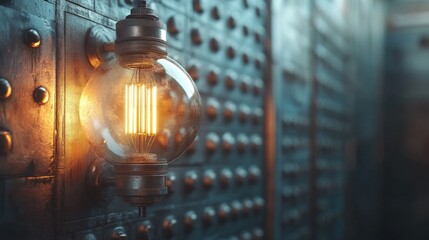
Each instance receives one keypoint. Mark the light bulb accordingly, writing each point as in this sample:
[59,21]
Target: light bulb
[132,113]
[140,110]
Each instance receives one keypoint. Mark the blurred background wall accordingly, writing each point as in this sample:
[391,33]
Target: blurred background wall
[313,127]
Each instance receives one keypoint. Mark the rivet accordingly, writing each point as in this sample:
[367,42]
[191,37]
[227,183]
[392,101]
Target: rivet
[211,142]
[240,175]
[171,179]
[258,12]
[244,84]
[212,78]
[231,23]
[246,236]
[242,142]
[172,26]
[119,234]
[259,204]
[196,37]
[208,179]
[230,52]
[41,95]
[229,111]
[32,38]
[196,4]
[223,212]
[225,178]
[257,87]
[190,181]
[89,236]
[5,142]
[244,112]
[257,37]
[228,142]
[258,234]
[214,45]
[256,142]
[212,108]
[246,3]
[258,64]
[193,72]
[208,215]
[247,207]
[215,13]
[169,226]
[236,208]
[258,113]
[245,30]
[245,58]
[254,174]
[145,230]
[229,82]
[189,221]
[5,89]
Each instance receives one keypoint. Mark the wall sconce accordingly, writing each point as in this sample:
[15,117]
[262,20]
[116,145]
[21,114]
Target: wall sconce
[141,109]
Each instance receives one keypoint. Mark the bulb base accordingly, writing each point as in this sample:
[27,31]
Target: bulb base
[141,179]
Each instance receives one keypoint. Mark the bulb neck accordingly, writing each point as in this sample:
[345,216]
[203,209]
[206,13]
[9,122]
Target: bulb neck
[141,33]
[141,179]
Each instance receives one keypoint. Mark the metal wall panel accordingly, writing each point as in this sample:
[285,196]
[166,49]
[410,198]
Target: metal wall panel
[270,160]
[314,79]
[229,152]
[405,168]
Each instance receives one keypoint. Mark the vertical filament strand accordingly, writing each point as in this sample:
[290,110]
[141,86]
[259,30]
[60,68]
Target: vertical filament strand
[154,110]
[140,109]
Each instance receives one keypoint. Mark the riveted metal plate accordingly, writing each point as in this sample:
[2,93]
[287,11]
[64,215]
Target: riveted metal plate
[30,124]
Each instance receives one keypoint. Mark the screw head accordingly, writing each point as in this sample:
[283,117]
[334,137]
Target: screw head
[172,26]
[5,89]
[32,38]
[41,95]
[193,72]
[145,230]
[89,236]
[5,142]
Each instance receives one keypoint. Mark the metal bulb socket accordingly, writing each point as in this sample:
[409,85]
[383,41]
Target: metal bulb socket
[141,179]
[140,34]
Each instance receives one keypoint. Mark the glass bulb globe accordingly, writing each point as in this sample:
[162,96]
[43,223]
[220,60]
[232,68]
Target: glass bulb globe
[146,111]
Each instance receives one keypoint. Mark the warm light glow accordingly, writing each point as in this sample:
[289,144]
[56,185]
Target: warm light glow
[140,109]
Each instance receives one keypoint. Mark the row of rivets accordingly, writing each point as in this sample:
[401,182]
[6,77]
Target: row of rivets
[215,13]
[256,234]
[332,126]
[328,146]
[145,230]
[241,175]
[328,167]
[213,107]
[297,122]
[295,143]
[330,84]
[294,193]
[245,83]
[228,142]
[326,186]
[293,170]
[214,46]
[328,218]
[293,75]
[233,211]
[294,216]
[330,107]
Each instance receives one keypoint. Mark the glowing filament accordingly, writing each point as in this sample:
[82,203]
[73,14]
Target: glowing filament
[140,109]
